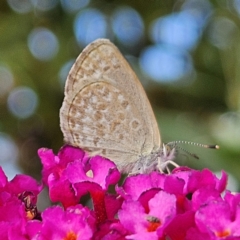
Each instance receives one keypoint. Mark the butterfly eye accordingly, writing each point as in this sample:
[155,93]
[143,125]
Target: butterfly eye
[168,149]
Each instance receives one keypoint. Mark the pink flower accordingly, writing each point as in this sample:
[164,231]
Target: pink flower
[55,165]
[184,205]
[135,186]
[215,219]
[72,223]
[148,224]
[17,205]
[74,176]
[53,173]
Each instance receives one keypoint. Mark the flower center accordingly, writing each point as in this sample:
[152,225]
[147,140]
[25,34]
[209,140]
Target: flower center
[154,223]
[223,233]
[70,236]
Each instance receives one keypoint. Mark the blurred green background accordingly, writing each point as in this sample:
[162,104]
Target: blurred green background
[186,54]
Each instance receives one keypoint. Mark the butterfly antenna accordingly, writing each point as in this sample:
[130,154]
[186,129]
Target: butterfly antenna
[174,144]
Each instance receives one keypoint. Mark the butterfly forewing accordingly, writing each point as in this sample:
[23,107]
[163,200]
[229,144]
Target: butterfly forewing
[105,109]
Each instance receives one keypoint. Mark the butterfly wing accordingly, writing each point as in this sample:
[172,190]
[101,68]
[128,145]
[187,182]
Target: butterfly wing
[105,109]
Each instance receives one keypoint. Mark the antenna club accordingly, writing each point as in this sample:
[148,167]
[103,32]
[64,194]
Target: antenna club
[212,146]
[195,144]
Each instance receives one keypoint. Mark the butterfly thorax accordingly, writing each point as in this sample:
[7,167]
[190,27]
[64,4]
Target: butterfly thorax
[156,160]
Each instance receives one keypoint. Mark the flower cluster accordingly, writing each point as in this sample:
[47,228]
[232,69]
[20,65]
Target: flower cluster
[184,205]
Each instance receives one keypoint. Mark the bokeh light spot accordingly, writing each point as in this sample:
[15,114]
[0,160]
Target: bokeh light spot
[201,10]
[8,156]
[43,44]
[89,25]
[74,5]
[221,32]
[6,80]
[22,102]
[44,5]
[165,64]
[20,6]
[226,130]
[178,29]
[63,73]
[9,150]
[128,25]
[236,4]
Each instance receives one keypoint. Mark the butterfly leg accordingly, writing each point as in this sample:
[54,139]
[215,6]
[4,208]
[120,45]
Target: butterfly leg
[162,166]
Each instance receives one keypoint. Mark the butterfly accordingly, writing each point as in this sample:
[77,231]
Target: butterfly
[106,112]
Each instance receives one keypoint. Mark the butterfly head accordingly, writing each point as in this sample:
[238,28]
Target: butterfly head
[168,152]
